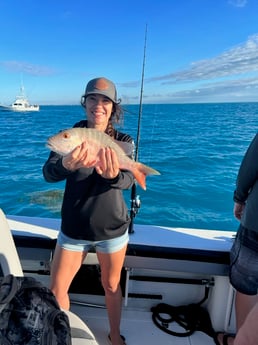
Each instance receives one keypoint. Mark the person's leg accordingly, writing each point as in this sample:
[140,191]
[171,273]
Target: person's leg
[244,272]
[243,304]
[64,267]
[111,265]
[243,276]
[248,332]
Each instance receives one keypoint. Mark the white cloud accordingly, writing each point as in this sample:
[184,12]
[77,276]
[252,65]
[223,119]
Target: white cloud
[238,60]
[245,89]
[231,75]
[238,3]
[25,67]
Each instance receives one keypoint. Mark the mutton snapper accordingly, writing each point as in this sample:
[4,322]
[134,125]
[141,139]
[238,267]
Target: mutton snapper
[66,141]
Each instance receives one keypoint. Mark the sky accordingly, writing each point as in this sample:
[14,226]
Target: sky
[196,51]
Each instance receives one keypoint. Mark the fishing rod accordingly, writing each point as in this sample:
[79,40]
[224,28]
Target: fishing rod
[135,199]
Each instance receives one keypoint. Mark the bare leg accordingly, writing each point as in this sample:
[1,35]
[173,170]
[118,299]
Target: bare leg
[64,267]
[111,266]
[248,334]
[244,304]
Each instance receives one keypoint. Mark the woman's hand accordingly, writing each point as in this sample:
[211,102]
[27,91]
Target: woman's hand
[78,158]
[108,166]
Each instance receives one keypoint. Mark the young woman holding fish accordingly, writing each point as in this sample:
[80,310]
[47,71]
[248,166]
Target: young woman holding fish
[94,213]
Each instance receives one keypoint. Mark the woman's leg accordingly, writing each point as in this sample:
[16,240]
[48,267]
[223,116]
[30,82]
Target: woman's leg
[64,267]
[111,265]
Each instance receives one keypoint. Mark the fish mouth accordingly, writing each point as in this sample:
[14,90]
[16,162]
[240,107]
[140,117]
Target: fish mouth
[53,147]
[50,145]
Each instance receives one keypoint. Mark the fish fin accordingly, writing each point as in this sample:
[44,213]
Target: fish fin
[140,172]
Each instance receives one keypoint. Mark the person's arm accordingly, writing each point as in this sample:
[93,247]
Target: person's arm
[53,169]
[57,167]
[238,210]
[248,173]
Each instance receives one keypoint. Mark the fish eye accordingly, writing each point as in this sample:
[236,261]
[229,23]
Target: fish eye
[66,135]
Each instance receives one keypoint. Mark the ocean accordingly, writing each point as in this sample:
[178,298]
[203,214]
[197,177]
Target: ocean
[197,148]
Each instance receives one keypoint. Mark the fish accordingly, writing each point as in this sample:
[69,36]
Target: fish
[67,140]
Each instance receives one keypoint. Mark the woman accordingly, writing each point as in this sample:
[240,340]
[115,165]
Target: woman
[94,213]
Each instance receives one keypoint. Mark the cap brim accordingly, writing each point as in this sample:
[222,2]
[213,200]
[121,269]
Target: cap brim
[99,92]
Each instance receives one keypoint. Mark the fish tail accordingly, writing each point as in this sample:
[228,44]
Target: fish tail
[140,172]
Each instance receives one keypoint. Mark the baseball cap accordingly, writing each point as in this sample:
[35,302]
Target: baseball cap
[102,86]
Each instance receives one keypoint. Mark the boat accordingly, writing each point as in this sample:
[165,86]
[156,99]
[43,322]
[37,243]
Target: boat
[163,266]
[21,103]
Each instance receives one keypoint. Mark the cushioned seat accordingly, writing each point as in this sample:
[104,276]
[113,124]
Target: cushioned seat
[79,330]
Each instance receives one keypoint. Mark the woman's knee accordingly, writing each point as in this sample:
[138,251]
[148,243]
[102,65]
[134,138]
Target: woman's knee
[111,286]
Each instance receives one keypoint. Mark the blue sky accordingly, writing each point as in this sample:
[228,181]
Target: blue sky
[197,50]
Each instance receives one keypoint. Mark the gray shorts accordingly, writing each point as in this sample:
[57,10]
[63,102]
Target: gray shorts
[243,272]
[107,246]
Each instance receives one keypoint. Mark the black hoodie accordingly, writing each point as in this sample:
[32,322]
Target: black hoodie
[93,207]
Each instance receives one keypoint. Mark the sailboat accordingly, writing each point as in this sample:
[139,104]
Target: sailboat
[21,103]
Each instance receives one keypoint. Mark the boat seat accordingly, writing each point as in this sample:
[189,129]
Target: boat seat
[9,259]
[81,334]
[10,264]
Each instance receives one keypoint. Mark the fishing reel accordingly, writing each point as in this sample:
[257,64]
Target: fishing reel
[135,205]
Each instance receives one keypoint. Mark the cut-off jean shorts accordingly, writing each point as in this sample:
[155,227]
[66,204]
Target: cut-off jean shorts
[106,246]
[243,272]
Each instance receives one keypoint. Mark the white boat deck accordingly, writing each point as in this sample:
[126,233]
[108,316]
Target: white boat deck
[137,327]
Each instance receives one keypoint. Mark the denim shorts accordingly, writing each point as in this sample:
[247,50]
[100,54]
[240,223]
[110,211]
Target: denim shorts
[243,272]
[106,246]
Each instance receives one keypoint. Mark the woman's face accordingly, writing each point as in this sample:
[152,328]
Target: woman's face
[98,109]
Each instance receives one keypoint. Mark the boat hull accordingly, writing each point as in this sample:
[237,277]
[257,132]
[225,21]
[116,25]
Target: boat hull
[20,108]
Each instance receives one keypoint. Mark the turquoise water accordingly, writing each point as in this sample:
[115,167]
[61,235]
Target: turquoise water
[197,148]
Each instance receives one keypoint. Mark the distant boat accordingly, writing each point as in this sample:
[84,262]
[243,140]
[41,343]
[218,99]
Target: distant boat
[21,103]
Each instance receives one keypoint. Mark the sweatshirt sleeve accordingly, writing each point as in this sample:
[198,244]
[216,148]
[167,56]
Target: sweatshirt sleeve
[248,173]
[124,180]
[53,169]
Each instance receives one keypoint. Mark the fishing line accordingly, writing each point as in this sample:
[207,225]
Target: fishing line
[151,134]
[135,200]
[141,96]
